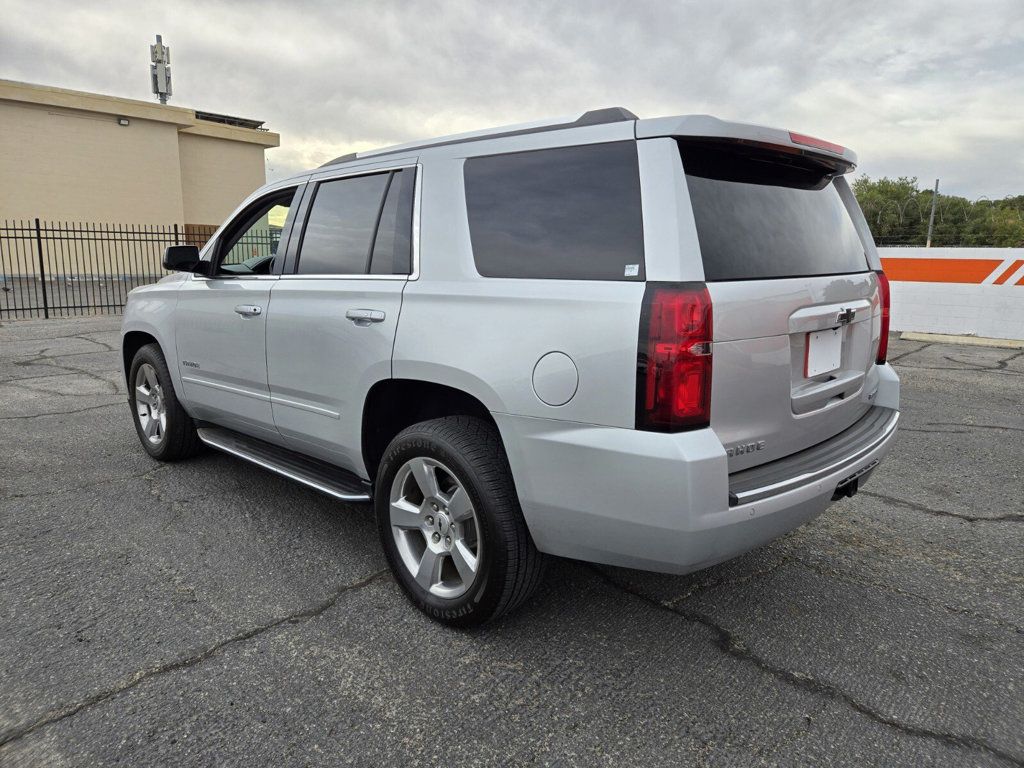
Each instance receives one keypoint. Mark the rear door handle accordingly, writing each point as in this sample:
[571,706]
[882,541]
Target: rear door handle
[249,310]
[365,316]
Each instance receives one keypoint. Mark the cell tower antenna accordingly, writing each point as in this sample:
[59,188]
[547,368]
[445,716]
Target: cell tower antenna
[160,69]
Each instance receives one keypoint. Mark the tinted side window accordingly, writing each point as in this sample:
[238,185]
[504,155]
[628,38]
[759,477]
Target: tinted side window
[250,243]
[340,226]
[392,251]
[566,213]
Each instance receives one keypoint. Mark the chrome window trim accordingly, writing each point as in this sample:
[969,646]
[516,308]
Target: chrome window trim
[416,197]
[194,276]
[348,172]
[343,276]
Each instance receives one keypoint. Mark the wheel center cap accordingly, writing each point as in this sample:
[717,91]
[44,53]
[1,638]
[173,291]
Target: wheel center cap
[443,523]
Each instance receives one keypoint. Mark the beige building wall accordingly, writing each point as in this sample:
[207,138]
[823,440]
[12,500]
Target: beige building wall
[66,156]
[68,165]
[216,175]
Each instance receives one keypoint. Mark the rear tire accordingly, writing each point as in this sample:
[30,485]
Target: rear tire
[166,432]
[450,522]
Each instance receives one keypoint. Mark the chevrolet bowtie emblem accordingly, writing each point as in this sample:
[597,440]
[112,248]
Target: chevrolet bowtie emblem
[845,316]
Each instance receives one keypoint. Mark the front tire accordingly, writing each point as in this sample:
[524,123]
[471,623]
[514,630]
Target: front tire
[450,522]
[166,432]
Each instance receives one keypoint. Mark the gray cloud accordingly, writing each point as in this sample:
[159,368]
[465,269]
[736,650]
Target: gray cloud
[917,88]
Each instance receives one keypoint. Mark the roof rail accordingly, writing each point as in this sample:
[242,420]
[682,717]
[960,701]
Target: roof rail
[592,117]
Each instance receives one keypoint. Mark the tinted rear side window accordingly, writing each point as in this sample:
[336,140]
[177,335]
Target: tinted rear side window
[570,213]
[392,251]
[341,225]
[763,215]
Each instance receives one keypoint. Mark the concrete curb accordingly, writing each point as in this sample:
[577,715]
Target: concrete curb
[977,341]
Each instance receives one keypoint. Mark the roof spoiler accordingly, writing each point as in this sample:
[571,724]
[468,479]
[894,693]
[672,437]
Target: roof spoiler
[708,127]
[591,117]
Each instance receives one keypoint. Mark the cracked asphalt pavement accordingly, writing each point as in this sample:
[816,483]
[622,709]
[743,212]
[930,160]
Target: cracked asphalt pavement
[211,613]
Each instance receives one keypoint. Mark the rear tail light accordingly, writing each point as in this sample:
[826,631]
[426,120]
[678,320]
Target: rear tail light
[673,363]
[883,296]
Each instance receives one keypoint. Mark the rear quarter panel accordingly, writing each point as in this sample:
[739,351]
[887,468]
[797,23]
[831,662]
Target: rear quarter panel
[486,335]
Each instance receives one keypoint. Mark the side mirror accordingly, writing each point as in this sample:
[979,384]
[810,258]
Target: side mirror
[183,258]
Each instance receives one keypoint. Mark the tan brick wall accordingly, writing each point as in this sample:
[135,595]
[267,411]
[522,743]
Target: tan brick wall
[64,164]
[216,175]
[64,157]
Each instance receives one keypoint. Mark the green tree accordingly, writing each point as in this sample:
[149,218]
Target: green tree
[897,211]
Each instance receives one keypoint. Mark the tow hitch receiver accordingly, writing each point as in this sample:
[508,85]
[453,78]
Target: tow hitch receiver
[848,487]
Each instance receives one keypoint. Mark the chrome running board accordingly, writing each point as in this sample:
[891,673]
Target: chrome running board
[324,477]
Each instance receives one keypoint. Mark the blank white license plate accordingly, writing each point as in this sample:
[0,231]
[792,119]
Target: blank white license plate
[824,352]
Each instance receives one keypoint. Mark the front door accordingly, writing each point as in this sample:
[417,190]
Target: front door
[334,314]
[220,320]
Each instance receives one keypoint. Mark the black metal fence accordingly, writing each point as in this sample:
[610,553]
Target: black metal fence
[64,269]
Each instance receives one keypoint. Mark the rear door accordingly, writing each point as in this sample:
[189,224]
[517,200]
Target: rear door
[794,299]
[331,329]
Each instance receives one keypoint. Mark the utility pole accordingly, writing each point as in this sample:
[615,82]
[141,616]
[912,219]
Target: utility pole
[931,217]
[160,69]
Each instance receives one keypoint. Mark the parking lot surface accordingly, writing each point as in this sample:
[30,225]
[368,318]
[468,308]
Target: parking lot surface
[211,613]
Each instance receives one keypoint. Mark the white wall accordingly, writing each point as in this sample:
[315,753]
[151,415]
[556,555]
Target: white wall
[955,290]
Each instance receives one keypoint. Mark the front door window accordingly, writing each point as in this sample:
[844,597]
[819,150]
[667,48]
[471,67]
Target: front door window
[250,246]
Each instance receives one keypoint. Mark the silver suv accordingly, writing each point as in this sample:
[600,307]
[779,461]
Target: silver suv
[647,343]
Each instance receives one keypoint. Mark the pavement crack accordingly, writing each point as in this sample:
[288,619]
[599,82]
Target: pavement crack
[935,431]
[70,710]
[80,487]
[68,370]
[970,369]
[911,352]
[973,426]
[114,388]
[850,578]
[119,404]
[731,645]
[107,347]
[701,586]
[36,357]
[1011,518]
[59,372]
[999,365]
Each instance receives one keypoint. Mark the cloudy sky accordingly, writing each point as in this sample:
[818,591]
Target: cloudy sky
[917,88]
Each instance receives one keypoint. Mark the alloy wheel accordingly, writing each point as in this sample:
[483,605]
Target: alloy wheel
[436,529]
[150,405]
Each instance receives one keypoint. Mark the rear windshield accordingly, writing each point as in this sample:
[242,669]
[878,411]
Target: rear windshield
[763,214]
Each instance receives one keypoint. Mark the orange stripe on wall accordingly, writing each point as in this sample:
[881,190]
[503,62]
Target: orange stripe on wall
[1006,275]
[939,270]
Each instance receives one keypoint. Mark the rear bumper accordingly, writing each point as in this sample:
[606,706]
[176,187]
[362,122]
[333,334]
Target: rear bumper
[661,502]
[842,453]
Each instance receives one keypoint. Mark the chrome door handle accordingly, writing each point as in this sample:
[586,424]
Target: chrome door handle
[249,310]
[365,316]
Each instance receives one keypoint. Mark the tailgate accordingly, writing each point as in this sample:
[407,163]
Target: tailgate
[795,305]
[764,403]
